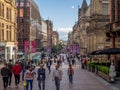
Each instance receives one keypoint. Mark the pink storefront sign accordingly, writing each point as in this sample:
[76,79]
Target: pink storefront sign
[33,46]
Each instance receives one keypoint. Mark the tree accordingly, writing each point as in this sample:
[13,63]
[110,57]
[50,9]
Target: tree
[56,48]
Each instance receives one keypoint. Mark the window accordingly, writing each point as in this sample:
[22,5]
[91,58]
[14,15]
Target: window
[105,8]
[21,12]
[10,15]
[119,10]
[2,38]
[2,10]
[10,35]
[6,26]
[2,31]
[2,25]
[7,13]
[7,36]
[113,10]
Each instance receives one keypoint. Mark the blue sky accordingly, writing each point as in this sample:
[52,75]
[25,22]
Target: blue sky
[63,14]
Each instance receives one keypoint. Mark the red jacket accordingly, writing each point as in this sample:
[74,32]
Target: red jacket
[16,69]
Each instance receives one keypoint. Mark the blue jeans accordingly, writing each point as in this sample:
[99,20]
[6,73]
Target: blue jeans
[31,84]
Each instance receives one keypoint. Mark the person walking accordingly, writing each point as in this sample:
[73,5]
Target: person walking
[23,65]
[10,65]
[29,76]
[49,63]
[5,74]
[57,77]
[70,73]
[41,77]
[16,69]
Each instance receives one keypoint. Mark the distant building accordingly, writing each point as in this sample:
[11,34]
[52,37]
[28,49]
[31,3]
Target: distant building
[49,33]
[44,34]
[55,38]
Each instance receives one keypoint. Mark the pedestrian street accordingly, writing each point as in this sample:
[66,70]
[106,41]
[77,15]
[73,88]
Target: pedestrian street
[83,80]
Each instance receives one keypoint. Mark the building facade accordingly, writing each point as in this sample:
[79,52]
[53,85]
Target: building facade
[49,34]
[55,38]
[29,25]
[113,29]
[83,23]
[78,37]
[99,17]
[44,34]
[8,26]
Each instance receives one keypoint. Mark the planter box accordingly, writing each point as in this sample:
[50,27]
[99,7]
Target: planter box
[104,76]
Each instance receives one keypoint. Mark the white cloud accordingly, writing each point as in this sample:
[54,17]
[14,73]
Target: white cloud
[65,30]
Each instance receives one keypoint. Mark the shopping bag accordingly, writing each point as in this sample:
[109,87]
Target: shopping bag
[24,83]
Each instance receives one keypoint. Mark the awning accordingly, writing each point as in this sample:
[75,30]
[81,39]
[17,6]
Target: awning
[20,53]
[106,51]
[97,52]
[110,51]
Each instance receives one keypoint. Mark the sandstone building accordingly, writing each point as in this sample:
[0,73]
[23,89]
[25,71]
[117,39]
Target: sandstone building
[8,26]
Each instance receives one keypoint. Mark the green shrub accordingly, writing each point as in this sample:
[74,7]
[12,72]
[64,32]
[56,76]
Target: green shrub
[90,64]
[100,66]
[103,69]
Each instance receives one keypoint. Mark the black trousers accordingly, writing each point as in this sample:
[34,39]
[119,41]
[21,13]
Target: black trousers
[49,68]
[9,78]
[5,82]
[57,83]
[71,78]
[17,79]
[43,84]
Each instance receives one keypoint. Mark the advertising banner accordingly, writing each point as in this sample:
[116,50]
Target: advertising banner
[26,46]
[33,46]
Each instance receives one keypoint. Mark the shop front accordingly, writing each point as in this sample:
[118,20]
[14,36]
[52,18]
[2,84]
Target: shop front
[2,50]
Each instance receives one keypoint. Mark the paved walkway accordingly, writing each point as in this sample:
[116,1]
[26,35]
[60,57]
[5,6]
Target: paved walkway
[83,80]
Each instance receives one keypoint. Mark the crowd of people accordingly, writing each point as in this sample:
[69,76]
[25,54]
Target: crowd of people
[27,71]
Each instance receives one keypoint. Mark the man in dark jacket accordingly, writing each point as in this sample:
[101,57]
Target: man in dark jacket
[41,77]
[5,73]
[10,72]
